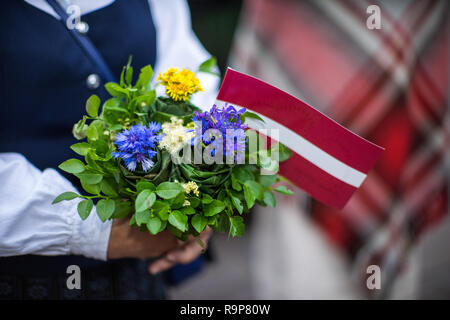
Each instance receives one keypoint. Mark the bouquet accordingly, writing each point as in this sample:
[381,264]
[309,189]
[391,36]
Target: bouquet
[166,164]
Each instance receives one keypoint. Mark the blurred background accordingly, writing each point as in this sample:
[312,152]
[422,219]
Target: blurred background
[390,84]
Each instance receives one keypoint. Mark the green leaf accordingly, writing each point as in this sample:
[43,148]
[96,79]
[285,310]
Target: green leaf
[223,223]
[178,201]
[146,99]
[123,209]
[129,75]
[84,208]
[199,222]
[237,226]
[187,210]
[237,203]
[90,178]
[178,220]
[194,202]
[145,200]
[267,163]
[153,225]
[161,209]
[251,115]
[142,217]
[284,190]
[213,208]
[207,199]
[65,196]
[81,148]
[116,127]
[91,188]
[235,183]
[145,76]
[163,225]
[108,187]
[115,90]
[90,156]
[169,190]
[269,199]
[92,105]
[72,166]
[101,147]
[143,185]
[208,65]
[95,130]
[177,233]
[249,196]
[105,208]
[284,152]
[242,174]
[268,180]
[256,189]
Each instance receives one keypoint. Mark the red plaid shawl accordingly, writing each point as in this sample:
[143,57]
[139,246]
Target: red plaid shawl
[390,86]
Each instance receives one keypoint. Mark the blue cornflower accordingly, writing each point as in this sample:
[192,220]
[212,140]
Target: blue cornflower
[226,120]
[137,144]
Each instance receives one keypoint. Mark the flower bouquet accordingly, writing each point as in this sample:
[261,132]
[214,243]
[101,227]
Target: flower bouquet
[165,163]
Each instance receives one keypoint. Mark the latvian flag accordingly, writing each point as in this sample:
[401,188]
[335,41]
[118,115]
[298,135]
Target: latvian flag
[329,162]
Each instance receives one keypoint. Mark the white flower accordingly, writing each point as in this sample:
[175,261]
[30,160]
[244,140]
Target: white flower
[175,135]
[191,186]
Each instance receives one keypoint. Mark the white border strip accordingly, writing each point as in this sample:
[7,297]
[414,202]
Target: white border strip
[306,149]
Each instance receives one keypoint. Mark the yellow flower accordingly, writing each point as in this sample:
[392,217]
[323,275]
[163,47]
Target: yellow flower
[191,186]
[180,85]
[175,135]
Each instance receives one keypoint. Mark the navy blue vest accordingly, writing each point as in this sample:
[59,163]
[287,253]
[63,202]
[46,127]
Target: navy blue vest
[43,90]
[43,72]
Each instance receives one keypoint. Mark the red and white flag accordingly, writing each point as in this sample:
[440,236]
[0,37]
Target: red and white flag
[329,162]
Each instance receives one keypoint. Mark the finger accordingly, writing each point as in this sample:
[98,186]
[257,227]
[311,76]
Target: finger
[160,265]
[191,251]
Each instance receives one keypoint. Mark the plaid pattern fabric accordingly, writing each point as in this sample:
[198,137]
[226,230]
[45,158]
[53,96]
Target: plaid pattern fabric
[390,85]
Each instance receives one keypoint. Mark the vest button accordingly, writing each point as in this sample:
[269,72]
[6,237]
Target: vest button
[93,81]
[82,27]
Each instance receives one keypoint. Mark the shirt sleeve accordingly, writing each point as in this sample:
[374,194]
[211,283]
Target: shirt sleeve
[178,46]
[31,224]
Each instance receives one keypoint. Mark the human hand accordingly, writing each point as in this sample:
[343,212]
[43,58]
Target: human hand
[128,242]
[185,252]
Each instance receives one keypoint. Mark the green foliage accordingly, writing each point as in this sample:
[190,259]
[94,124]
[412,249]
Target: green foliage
[65,196]
[84,208]
[72,166]
[154,225]
[169,190]
[156,200]
[92,105]
[105,208]
[237,226]
[145,200]
[208,66]
[178,220]
[283,190]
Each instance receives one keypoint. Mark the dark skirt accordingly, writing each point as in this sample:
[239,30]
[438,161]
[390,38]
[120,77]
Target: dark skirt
[43,277]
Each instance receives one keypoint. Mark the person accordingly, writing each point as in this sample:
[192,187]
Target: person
[47,74]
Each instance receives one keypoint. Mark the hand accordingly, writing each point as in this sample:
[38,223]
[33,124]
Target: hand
[128,242]
[186,252]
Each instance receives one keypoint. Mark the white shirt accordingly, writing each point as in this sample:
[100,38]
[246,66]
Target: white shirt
[29,223]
